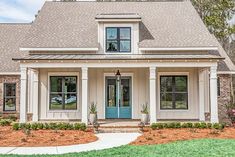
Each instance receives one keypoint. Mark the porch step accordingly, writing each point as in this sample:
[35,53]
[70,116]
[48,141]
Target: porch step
[118,130]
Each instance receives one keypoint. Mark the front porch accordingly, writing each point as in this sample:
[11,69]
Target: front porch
[143,88]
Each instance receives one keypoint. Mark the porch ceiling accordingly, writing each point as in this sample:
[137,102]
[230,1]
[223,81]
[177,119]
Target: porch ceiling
[118,57]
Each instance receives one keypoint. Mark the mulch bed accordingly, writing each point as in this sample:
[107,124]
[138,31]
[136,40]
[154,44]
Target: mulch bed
[163,136]
[12,138]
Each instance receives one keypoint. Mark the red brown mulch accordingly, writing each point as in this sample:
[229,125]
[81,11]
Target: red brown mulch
[170,135]
[12,138]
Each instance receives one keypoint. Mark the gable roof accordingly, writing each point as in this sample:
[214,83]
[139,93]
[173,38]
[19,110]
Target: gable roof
[163,25]
[11,35]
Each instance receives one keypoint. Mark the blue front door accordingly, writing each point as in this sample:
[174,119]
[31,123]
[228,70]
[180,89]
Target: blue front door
[118,97]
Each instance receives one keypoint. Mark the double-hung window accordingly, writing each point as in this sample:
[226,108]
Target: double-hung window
[9,97]
[63,93]
[173,92]
[118,39]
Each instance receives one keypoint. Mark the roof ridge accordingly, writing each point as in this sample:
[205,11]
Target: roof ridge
[15,23]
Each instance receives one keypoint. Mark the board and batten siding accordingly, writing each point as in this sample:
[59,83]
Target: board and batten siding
[140,92]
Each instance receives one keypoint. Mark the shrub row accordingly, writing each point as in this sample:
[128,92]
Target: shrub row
[188,125]
[5,122]
[49,126]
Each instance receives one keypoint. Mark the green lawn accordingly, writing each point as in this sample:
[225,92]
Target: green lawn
[193,148]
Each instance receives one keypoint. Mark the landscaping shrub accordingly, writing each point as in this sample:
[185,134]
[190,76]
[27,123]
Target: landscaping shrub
[16,126]
[5,122]
[52,126]
[198,125]
[34,126]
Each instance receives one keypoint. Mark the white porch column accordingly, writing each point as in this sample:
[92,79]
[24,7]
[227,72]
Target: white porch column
[35,95]
[152,93]
[84,95]
[202,95]
[213,94]
[23,95]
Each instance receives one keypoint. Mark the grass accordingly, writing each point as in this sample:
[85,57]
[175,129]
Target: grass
[192,148]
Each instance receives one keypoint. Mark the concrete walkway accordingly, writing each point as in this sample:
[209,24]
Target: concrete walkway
[106,140]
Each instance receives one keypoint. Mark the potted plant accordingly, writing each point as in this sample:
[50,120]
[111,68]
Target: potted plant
[144,113]
[93,113]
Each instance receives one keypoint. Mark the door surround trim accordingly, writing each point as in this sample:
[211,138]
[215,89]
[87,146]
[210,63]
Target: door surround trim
[132,90]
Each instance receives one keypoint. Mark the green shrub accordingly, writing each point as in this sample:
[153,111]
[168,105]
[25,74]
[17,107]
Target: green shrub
[153,126]
[46,126]
[203,125]
[80,126]
[190,125]
[171,125]
[209,125]
[184,125]
[218,126]
[5,122]
[16,126]
[34,126]
[53,126]
[11,117]
[197,125]
[40,125]
[177,125]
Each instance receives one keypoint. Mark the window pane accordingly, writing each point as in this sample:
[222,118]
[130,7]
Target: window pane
[56,84]
[181,84]
[166,101]
[166,84]
[111,96]
[70,102]
[112,46]
[70,84]
[10,104]
[181,101]
[125,33]
[111,33]
[10,90]
[125,93]
[125,46]
[56,102]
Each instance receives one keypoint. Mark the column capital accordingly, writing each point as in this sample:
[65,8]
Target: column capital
[213,72]
[84,73]
[152,72]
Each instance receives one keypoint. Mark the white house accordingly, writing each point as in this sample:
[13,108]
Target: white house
[121,55]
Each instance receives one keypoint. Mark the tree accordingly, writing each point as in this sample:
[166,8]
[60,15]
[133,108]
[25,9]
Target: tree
[216,15]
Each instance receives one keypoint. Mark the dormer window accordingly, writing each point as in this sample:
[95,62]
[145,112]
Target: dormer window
[118,39]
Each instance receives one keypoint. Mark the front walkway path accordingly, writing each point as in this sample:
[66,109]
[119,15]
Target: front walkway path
[106,140]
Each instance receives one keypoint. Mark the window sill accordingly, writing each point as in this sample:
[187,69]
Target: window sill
[63,111]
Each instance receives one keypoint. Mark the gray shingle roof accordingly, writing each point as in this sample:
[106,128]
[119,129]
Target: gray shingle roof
[11,35]
[73,24]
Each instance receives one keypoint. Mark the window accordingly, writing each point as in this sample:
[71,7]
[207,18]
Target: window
[9,97]
[63,93]
[118,39]
[173,92]
[218,86]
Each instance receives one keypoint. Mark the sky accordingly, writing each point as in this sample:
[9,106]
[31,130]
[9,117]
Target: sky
[19,11]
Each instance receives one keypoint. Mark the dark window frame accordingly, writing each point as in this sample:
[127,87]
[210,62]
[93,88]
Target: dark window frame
[63,93]
[218,86]
[118,39]
[8,97]
[174,93]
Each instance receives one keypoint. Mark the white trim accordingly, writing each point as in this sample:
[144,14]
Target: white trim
[49,87]
[120,64]
[132,90]
[178,48]
[9,73]
[226,72]
[58,49]
[158,90]
[118,20]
